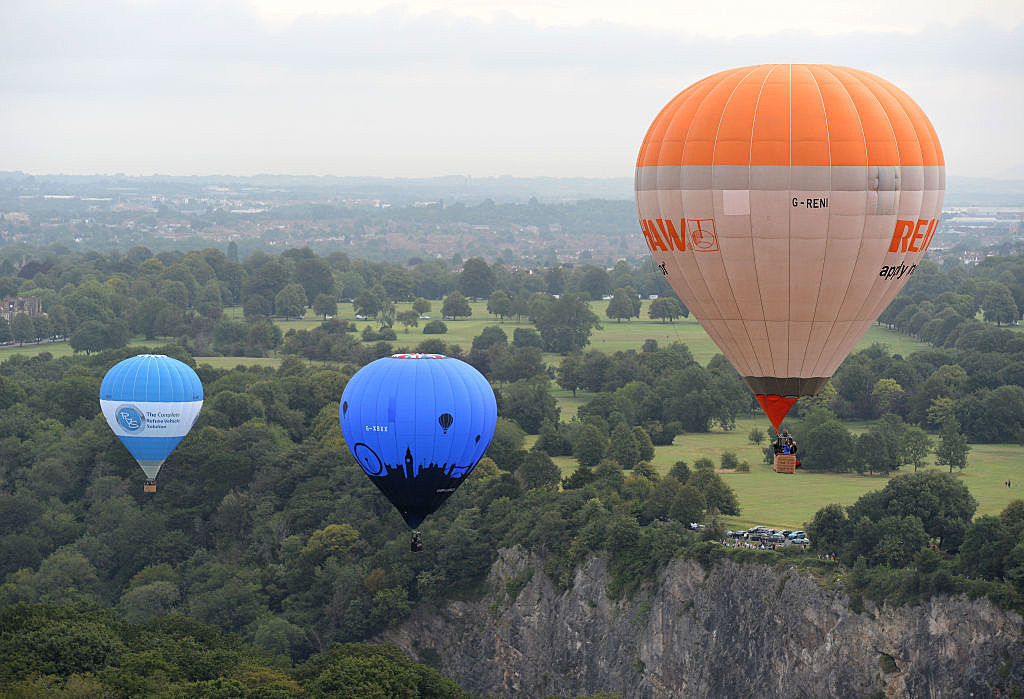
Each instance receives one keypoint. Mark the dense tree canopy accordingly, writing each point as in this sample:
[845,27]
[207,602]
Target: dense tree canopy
[266,528]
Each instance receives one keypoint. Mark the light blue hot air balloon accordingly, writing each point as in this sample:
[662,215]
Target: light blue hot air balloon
[151,402]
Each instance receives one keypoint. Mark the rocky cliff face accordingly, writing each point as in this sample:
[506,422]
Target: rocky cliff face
[733,631]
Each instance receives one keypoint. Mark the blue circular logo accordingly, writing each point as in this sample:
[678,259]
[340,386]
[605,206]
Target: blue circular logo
[130,418]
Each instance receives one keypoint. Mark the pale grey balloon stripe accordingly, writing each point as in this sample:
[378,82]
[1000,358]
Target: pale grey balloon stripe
[768,178]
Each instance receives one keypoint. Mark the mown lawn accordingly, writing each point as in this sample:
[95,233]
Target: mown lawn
[790,501]
[611,337]
[232,362]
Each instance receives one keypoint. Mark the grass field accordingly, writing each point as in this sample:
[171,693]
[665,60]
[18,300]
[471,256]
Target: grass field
[232,362]
[790,501]
[611,337]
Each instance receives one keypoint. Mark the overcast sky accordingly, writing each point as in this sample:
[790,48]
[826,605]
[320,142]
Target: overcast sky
[474,87]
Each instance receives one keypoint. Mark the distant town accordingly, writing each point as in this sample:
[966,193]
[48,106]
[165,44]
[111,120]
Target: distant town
[518,221]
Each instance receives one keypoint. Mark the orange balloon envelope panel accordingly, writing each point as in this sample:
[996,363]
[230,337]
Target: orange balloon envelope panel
[788,205]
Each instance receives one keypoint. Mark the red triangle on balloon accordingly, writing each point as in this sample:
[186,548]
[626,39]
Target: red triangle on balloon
[775,407]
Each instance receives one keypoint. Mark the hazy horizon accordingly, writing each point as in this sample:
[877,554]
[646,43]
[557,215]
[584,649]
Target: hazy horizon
[482,89]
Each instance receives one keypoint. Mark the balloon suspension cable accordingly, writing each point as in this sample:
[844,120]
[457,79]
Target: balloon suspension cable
[416,545]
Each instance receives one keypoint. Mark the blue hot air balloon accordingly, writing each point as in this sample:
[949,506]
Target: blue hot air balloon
[418,424]
[151,402]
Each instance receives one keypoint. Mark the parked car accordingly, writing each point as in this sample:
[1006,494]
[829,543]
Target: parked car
[796,535]
[800,540]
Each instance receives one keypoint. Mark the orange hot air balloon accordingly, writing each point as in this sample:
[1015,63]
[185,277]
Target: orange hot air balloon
[788,205]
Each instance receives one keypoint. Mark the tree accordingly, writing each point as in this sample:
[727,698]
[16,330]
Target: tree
[476,280]
[688,505]
[500,304]
[267,280]
[257,306]
[566,324]
[715,491]
[880,449]
[589,446]
[210,301]
[237,407]
[529,402]
[43,327]
[351,670]
[90,336]
[455,305]
[624,304]
[290,302]
[314,275]
[569,373]
[667,308]
[421,306]
[488,337]
[986,544]
[367,304]
[952,447]
[644,443]
[999,305]
[523,338]
[891,541]
[941,501]
[916,446]
[622,447]
[595,283]
[538,471]
[756,436]
[325,305]
[409,319]
[507,443]
[22,328]
[886,393]
[397,284]
[826,443]
[175,293]
[1000,416]
[516,364]
[141,603]
[828,529]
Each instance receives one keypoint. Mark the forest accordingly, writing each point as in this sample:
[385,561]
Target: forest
[267,558]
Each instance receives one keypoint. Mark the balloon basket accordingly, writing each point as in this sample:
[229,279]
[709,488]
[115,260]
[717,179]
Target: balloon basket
[785,463]
[416,544]
[149,487]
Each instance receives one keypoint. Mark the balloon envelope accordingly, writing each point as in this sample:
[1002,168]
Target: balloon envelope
[417,424]
[151,402]
[788,205]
